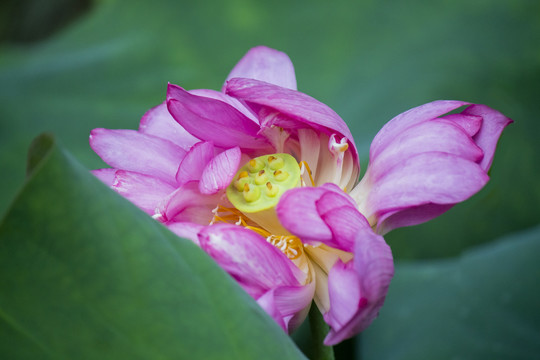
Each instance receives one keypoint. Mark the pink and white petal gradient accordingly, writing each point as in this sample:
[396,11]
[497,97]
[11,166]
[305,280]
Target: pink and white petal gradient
[260,268]
[423,162]
[293,106]
[213,120]
[195,161]
[265,64]
[159,122]
[138,152]
[357,288]
[220,171]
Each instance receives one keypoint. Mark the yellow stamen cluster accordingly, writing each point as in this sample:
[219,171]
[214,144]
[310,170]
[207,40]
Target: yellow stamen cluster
[289,245]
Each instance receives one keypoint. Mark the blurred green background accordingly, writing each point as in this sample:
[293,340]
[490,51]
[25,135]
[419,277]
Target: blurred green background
[68,66]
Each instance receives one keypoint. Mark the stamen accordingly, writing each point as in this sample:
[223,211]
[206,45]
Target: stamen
[340,146]
[304,166]
[289,245]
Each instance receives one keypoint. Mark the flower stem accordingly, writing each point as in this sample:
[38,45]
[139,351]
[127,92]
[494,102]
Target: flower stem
[319,329]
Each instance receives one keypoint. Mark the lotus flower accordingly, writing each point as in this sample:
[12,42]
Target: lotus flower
[264,179]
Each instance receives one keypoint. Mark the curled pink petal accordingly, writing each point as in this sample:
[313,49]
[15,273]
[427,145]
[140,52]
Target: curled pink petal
[288,305]
[249,258]
[193,164]
[213,120]
[344,287]
[158,122]
[265,64]
[357,289]
[426,178]
[267,302]
[262,270]
[492,126]
[413,215]
[220,171]
[470,123]
[344,223]
[409,118]
[187,204]
[423,162]
[438,135]
[134,151]
[292,105]
[333,198]
[213,94]
[297,212]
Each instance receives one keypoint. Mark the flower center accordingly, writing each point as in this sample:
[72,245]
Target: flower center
[255,192]
[258,185]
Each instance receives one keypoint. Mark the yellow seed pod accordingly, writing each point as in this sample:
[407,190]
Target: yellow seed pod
[255,187]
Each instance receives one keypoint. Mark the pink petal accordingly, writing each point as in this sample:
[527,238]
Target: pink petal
[471,124]
[265,64]
[297,212]
[357,289]
[213,120]
[428,178]
[406,182]
[105,175]
[409,118]
[249,258]
[134,151]
[187,204]
[344,288]
[267,302]
[492,126]
[410,216]
[186,230]
[193,164]
[288,305]
[344,223]
[440,135]
[220,171]
[333,198]
[293,104]
[213,94]
[308,213]
[143,190]
[159,122]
